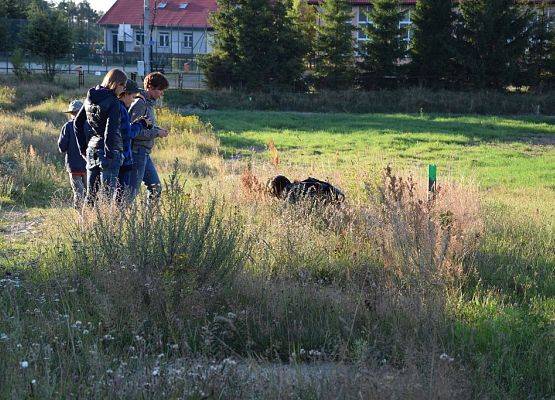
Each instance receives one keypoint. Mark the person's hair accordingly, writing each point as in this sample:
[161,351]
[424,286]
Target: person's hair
[113,78]
[156,80]
[277,185]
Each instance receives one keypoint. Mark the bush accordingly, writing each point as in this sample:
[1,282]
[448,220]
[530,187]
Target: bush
[412,100]
[150,267]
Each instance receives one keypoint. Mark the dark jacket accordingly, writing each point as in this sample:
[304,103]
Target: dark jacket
[128,132]
[102,112]
[67,143]
[144,107]
[313,189]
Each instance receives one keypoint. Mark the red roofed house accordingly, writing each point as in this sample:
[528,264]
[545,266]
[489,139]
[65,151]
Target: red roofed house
[180,26]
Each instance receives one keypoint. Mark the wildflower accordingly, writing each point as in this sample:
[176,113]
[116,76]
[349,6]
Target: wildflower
[156,371]
[3,336]
[230,361]
[231,315]
[109,371]
[108,337]
[315,353]
[85,331]
[446,357]
[175,346]
[34,382]
[24,364]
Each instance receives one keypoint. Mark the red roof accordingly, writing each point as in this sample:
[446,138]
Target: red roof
[131,12]
[194,15]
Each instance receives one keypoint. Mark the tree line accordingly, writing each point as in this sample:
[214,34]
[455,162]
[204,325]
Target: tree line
[290,44]
[48,31]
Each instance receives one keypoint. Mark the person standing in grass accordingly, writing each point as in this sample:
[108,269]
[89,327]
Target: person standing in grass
[104,151]
[75,164]
[129,131]
[144,170]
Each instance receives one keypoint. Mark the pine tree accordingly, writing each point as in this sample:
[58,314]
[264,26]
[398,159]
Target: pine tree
[305,17]
[256,46]
[383,50]
[432,47]
[492,38]
[540,58]
[334,47]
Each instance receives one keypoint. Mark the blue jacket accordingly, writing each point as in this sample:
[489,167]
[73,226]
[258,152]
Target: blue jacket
[67,143]
[129,132]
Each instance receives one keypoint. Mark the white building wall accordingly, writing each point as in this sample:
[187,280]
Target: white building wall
[174,38]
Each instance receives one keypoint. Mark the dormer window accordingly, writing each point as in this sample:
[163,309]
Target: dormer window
[183,6]
[162,5]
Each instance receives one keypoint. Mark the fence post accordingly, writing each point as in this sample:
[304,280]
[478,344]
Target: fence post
[432,178]
[81,77]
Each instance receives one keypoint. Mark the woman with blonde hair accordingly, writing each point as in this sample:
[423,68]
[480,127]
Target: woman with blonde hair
[103,150]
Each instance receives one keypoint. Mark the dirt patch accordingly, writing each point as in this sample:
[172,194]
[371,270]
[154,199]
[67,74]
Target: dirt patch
[14,224]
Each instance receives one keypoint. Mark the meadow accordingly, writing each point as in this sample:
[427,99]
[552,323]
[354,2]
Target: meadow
[222,292]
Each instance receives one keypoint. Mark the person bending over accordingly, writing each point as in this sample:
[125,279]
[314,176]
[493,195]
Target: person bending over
[309,189]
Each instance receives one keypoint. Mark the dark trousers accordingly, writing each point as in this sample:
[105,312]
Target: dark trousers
[102,174]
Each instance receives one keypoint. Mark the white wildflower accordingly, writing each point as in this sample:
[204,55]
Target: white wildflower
[230,361]
[231,315]
[446,357]
[175,346]
[34,382]
[3,336]
[24,364]
[156,371]
[85,331]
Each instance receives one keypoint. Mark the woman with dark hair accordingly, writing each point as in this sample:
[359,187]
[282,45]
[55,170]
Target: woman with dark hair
[104,150]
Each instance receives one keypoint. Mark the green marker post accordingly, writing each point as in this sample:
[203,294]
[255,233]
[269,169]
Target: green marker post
[432,177]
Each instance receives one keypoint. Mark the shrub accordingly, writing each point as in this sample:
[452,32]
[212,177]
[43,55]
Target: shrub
[149,267]
[413,100]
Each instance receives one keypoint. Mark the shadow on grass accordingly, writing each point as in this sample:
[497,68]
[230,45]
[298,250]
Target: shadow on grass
[475,129]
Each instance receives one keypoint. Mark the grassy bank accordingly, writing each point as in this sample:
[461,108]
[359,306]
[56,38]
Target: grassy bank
[222,292]
[412,100]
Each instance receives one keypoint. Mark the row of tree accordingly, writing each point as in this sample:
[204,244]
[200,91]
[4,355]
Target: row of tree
[290,44]
[48,31]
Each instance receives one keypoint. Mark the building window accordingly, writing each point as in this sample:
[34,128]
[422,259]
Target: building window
[188,41]
[361,35]
[139,38]
[164,39]
[405,25]
[363,15]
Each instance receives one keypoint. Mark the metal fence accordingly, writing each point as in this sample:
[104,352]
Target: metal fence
[182,71]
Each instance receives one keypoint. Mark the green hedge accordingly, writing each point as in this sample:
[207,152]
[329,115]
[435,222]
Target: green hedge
[411,100]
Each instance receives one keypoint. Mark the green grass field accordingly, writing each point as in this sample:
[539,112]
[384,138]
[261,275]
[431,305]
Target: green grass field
[507,156]
[223,293]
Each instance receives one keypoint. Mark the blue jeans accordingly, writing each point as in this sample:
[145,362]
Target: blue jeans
[144,171]
[102,174]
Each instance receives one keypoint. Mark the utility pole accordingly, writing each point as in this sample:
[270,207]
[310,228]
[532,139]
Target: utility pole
[146,36]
